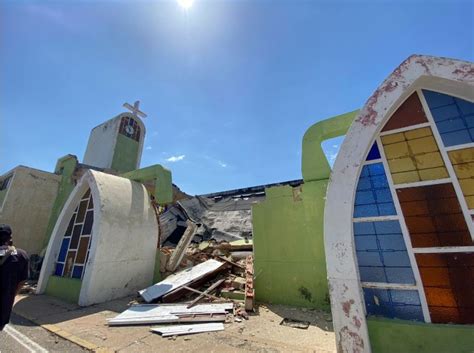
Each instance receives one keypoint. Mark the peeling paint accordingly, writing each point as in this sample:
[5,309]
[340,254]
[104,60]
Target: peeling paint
[346,306]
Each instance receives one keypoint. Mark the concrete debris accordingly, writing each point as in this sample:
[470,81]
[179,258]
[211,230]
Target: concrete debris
[213,283]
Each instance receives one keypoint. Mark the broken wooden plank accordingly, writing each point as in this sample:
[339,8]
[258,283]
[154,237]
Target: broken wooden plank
[176,330]
[180,250]
[180,279]
[206,292]
[231,262]
[201,293]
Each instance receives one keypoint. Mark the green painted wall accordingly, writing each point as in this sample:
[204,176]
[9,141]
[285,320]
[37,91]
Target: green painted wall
[396,336]
[65,167]
[125,154]
[64,288]
[290,265]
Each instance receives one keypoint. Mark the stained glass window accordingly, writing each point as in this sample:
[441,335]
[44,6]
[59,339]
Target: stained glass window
[130,128]
[74,250]
[413,213]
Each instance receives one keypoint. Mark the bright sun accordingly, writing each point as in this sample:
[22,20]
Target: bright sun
[185,4]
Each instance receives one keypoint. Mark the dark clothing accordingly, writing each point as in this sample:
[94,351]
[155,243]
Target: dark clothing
[13,271]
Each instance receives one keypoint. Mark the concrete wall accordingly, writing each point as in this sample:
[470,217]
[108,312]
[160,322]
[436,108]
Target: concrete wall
[107,148]
[27,206]
[289,248]
[101,144]
[288,228]
[124,239]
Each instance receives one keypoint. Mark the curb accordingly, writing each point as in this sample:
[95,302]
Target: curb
[69,336]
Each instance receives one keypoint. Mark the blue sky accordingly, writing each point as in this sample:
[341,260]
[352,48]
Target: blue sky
[229,87]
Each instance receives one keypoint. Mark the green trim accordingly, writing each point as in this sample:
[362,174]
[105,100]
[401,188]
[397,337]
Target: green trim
[314,164]
[125,154]
[395,336]
[160,176]
[66,167]
[64,288]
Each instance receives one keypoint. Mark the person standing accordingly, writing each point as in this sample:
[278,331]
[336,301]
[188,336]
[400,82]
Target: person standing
[13,273]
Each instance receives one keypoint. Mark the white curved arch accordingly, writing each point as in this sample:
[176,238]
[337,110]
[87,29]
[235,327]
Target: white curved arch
[441,74]
[124,238]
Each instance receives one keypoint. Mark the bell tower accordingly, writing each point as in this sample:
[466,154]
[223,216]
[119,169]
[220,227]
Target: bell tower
[117,144]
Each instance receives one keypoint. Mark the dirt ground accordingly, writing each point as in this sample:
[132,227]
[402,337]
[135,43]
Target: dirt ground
[261,333]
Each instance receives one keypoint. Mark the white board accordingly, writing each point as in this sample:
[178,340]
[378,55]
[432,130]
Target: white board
[179,279]
[162,313]
[176,330]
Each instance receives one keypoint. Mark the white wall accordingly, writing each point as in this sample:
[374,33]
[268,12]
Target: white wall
[27,206]
[124,239]
[101,144]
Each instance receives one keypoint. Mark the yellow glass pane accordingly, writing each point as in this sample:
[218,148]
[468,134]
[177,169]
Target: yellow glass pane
[429,160]
[465,170]
[406,177]
[470,202]
[433,173]
[396,150]
[392,138]
[462,156]
[401,165]
[423,145]
[417,133]
[467,186]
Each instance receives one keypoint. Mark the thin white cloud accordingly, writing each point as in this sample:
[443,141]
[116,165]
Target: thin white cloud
[148,148]
[222,164]
[175,158]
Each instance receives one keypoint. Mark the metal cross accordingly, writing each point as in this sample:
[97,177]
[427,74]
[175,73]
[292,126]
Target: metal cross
[135,109]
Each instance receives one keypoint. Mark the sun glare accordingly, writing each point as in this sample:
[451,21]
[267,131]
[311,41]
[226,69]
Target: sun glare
[185,4]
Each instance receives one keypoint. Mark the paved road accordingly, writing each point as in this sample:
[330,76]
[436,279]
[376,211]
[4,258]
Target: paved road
[23,336]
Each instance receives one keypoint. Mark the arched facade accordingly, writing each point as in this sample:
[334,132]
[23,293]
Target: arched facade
[103,245]
[398,218]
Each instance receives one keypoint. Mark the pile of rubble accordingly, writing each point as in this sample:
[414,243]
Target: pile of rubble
[205,285]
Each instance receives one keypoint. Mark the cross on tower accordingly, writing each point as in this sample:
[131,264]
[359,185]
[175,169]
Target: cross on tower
[135,109]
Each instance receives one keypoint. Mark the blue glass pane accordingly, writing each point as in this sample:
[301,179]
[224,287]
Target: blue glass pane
[376,169]
[366,211]
[453,117]
[386,209]
[373,153]
[387,227]
[364,228]
[381,253]
[364,184]
[369,258]
[366,242]
[63,250]
[393,303]
[59,270]
[77,271]
[373,197]
[391,242]
[399,275]
[372,274]
[396,259]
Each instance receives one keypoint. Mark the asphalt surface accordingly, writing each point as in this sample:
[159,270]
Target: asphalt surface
[24,336]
